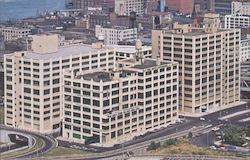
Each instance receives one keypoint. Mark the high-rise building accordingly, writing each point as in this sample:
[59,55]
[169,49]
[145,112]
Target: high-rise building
[33,93]
[182,6]
[125,7]
[104,107]
[209,63]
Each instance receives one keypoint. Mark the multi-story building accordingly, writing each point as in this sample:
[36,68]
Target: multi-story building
[235,21]
[223,6]
[209,63]
[111,107]
[114,35]
[33,93]
[11,33]
[245,48]
[241,7]
[205,5]
[182,6]
[125,7]
[245,80]
[85,4]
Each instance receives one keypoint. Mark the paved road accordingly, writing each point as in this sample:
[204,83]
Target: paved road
[207,139]
[48,144]
[8,147]
[212,119]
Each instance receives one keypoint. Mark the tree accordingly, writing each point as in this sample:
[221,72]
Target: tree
[234,135]
[190,135]
[153,146]
[247,130]
[169,142]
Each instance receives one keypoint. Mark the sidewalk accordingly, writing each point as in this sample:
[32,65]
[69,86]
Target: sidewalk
[195,115]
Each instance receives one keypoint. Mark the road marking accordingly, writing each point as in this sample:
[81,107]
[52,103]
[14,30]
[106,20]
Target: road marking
[245,120]
[234,114]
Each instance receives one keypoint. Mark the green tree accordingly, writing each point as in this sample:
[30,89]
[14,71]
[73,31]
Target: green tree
[247,130]
[153,146]
[190,135]
[234,135]
[169,142]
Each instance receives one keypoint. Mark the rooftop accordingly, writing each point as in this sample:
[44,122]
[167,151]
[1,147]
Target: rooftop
[148,64]
[64,52]
[194,32]
[129,49]
[96,76]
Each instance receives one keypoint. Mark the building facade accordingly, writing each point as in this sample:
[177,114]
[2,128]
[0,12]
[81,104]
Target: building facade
[124,7]
[128,52]
[110,107]
[223,6]
[245,48]
[209,63]
[114,35]
[233,21]
[33,93]
[11,33]
[182,6]
[241,7]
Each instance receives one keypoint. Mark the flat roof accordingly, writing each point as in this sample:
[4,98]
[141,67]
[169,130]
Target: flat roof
[96,76]
[195,32]
[64,52]
[148,64]
[128,49]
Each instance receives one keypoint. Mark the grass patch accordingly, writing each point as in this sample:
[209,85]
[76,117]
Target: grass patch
[184,146]
[1,115]
[60,151]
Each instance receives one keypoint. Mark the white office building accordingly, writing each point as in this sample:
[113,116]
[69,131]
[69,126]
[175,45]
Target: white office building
[116,34]
[12,33]
[33,80]
[236,21]
[209,63]
[124,7]
[241,7]
[104,107]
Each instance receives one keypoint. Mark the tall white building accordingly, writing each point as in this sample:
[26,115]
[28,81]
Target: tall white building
[104,107]
[116,34]
[209,63]
[33,93]
[12,33]
[241,7]
[245,48]
[124,7]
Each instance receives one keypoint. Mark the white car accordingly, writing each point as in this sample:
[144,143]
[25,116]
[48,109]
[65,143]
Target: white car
[215,129]
[202,119]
